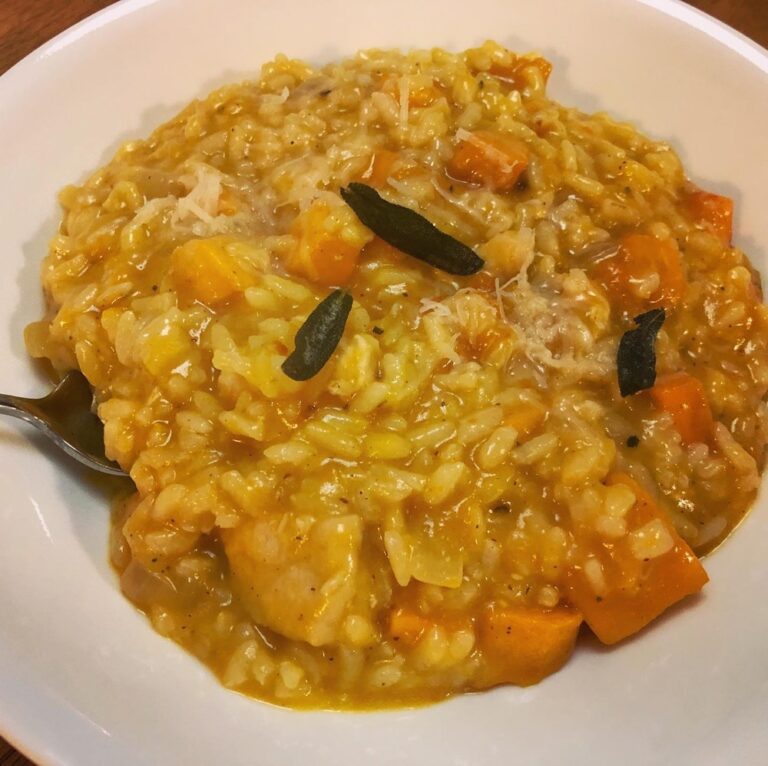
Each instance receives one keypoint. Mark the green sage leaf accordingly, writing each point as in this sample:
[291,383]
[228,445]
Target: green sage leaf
[636,358]
[410,232]
[319,336]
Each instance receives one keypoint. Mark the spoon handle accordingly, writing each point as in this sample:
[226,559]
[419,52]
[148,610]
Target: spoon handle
[11,405]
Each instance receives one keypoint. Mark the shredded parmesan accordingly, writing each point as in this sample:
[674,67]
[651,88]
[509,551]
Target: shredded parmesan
[202,202]
[461,203]
[548,325]
[276,98]
[522,276]
[499,302]
[151,208]
[197,211]
[399,186]
[550,330]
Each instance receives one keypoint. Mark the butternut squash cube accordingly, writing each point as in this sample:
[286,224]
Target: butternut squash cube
[329,241]
[204,270]
[489,159]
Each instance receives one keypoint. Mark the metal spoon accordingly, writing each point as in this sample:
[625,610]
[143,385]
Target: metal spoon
[65,417]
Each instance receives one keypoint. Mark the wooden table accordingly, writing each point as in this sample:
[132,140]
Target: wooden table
[26,24]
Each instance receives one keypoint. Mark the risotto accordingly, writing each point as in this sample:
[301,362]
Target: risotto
[416,372]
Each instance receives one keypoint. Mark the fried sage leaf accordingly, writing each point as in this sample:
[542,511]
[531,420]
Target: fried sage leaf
[636,359]
[410,232]
[318,337]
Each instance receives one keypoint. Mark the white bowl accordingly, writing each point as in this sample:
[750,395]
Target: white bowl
[83,677]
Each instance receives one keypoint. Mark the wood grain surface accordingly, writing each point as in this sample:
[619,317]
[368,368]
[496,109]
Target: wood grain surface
[27,24]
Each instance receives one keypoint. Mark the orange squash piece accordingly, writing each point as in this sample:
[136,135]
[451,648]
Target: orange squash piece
[522,645]
[378,249]
[526,417]
[419,94]
[380,168]
[514,73]
[203,270]
[637,259]
[715,211]
[328,244]
[636,590]
[422,96]
[489,159]
[683,396]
